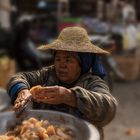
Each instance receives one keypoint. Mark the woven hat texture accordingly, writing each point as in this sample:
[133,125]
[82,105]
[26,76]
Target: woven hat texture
[73,39]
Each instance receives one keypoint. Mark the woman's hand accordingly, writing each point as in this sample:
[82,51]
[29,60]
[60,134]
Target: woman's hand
[55,95]
[23,97]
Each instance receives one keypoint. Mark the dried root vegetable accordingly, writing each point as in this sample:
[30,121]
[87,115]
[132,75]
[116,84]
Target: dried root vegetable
[33,129]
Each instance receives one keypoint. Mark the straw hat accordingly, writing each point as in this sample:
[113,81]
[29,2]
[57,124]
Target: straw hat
[73,39]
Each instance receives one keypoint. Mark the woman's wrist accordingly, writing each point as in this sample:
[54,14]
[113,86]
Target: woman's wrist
[71,98]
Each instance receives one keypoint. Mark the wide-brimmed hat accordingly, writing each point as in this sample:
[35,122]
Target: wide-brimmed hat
[73,39]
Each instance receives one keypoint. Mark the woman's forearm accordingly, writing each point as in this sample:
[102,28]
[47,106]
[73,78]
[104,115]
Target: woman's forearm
[97,108]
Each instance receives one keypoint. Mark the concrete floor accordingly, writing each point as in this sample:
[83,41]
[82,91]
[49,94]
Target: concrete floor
[126,124]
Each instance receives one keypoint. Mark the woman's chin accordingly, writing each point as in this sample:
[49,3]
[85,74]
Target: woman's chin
[64,79]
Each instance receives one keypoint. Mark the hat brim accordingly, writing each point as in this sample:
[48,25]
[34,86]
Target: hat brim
[59,45]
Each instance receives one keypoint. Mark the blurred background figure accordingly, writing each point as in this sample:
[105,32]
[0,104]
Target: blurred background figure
[128,11]
[130,37]
[6,8]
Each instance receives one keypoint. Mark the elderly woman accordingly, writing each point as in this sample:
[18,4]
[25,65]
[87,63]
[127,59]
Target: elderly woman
[72,85]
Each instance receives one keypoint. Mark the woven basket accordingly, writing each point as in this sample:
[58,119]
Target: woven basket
[129,66]
[7,69]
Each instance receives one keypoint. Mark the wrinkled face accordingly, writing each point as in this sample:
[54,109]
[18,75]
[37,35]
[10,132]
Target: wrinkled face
[66,66]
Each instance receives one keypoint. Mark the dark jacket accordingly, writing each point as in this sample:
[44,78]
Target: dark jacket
[94,101]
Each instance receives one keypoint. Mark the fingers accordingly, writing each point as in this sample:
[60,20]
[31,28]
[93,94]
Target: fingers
[19,105]
[22,99]
[35,89]
[38,90]
[53,101]
[40,100]
[50,89]
[43,97]
[47,94]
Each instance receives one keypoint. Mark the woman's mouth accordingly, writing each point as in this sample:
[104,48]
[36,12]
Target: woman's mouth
[62,73]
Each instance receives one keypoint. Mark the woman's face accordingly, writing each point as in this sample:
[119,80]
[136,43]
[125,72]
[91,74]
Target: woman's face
[66,66]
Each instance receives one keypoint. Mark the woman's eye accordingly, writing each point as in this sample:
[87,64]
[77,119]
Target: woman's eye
[68,60]
[57,59]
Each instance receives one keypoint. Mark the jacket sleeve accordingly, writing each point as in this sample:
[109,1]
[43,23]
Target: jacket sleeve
[25,80]
[95,102]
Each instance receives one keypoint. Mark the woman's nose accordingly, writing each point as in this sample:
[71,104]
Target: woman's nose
[63,64]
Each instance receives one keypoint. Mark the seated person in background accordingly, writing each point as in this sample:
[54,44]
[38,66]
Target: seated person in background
[69,85]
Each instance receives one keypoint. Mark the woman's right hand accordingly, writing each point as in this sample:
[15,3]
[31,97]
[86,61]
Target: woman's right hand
[23,96]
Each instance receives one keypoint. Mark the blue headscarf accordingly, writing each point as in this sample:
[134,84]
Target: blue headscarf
[91,61]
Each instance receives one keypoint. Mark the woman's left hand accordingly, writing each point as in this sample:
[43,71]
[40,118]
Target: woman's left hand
[56,95]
